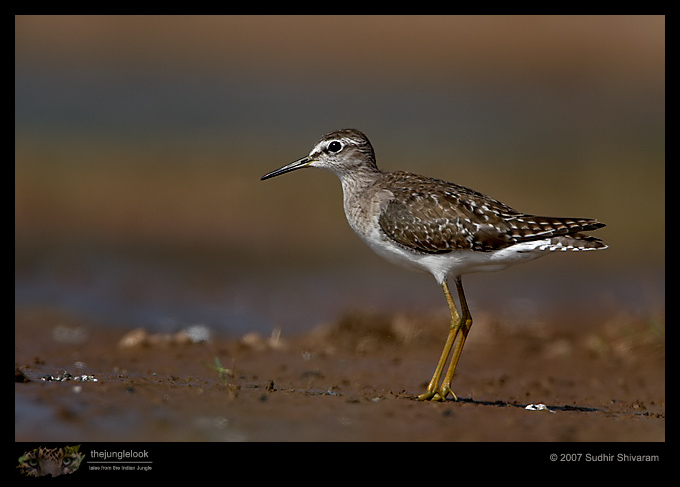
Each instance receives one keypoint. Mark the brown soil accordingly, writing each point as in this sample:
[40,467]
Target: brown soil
[354,380]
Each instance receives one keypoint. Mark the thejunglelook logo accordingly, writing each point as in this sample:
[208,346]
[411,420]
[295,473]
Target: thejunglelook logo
[50,461]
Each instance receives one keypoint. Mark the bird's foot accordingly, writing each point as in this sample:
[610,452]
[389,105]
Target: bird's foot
[437,395]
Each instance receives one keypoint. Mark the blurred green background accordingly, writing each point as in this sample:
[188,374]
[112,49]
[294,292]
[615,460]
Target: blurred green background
[140,141]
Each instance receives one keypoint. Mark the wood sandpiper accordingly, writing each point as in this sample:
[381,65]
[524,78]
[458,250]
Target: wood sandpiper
[440,227]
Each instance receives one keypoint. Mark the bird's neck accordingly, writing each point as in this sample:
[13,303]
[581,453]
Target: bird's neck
[359,179]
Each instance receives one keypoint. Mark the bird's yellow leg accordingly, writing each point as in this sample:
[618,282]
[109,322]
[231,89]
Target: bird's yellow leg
[465,325]
[432,389]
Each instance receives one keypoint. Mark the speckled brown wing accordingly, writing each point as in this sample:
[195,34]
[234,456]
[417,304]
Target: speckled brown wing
[434,216]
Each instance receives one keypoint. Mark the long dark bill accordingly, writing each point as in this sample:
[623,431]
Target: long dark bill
[299,164]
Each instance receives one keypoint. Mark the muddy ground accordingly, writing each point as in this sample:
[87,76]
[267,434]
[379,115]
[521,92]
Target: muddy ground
[354,380]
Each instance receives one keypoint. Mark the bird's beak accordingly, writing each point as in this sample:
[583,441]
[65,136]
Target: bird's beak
[299,164]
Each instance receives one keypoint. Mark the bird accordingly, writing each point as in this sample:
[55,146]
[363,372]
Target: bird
[439,227]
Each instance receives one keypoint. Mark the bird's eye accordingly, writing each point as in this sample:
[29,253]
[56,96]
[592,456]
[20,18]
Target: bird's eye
[334,146]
